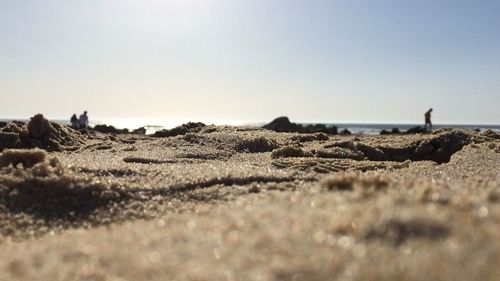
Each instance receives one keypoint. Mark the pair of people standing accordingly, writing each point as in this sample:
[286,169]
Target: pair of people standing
[80,123]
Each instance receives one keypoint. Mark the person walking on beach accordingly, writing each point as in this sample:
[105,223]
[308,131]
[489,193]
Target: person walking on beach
[84,120]
[428,120]
[75,123]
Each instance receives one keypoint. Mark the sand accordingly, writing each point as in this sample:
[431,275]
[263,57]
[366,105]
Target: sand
[236,203]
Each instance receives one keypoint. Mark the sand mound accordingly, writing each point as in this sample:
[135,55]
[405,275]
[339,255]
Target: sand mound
[8,140]
[310,137]
[340,152]
[397,230]
[231,142]
[491,134]
[28,158]
[324,166]
[43,195]
[351,181]
[438,149]
[200,146]
[257,144]
[495,147]
[290,151]
[38,194]
[39,132]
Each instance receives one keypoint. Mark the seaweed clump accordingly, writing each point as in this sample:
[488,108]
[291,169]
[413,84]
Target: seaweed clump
[39,133]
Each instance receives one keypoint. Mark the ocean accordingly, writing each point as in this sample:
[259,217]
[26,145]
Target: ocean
[153,125]
[375,129]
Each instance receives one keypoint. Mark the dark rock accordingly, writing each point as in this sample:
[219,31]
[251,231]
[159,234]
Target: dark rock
[321,136]
[139,131]
[416,130]
[394,131]
[283,124]
[109,129]
[345,132]
[320,128]
[191,127]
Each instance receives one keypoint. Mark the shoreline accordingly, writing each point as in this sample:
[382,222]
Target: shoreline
[353,128]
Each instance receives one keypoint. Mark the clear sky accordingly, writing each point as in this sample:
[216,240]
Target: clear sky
[252,60]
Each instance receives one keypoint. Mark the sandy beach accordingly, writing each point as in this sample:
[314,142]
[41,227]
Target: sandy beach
[241,203]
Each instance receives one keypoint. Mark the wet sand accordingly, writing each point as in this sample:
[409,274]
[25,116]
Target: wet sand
[234,203]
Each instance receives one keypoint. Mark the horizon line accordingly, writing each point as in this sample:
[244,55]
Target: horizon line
[239,122]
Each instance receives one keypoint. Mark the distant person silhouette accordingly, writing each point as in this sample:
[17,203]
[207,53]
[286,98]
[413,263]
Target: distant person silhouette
[428,120]
[75,123]
[84,120]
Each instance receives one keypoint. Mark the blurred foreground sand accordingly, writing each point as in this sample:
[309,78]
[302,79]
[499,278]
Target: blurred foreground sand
[230,203]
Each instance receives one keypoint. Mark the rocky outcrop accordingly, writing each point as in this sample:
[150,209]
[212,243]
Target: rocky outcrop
[416,130]
[191,127]
[106,129]
[139,131]
[345,132]
[283,124]
[394,131]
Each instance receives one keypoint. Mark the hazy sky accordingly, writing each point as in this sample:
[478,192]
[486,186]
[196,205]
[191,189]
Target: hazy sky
[312,60]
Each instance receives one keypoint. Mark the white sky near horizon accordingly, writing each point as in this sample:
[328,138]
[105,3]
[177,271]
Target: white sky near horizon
[383,61]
